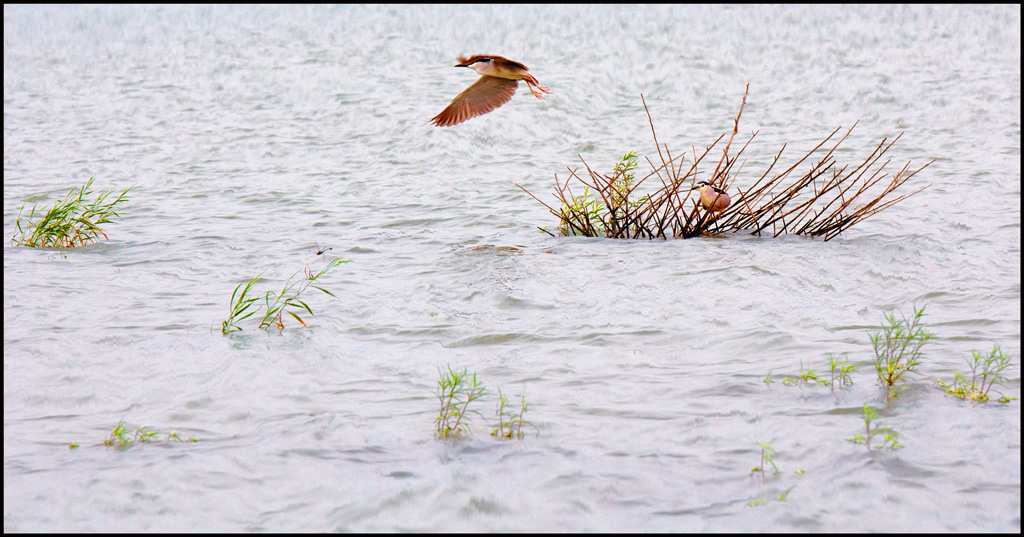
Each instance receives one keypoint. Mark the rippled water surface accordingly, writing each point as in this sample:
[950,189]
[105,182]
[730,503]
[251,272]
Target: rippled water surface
[258,135]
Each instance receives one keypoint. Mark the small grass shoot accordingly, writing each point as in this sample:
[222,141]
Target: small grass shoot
[767,456]
[287,300]
[455,392]
[898,348]
[760,501]
[986,371]
[72,221]
[757,502]
[510,422]
[240,304]
[839,375]
[891,436]
[808,376]
[122,438]
[785,493]
[840,371]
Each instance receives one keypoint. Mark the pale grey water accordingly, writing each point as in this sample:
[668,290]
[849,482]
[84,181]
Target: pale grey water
[258,134]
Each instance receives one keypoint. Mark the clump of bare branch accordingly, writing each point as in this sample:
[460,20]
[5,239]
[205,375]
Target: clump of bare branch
[822,202]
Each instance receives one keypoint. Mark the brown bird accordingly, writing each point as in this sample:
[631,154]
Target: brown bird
[496,87]
[713,198]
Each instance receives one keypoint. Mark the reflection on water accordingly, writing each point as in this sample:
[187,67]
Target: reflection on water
[259,135]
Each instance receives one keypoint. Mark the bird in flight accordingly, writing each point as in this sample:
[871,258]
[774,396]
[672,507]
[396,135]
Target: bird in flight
[497,84]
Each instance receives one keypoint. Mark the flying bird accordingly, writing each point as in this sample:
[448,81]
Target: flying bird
[497,84]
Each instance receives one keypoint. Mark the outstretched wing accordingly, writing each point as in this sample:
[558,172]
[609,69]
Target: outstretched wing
[483,96]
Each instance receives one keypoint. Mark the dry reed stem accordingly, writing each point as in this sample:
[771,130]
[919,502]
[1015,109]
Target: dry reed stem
[818,203]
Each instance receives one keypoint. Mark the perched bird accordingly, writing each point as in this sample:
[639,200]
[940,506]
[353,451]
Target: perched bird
[713,198]
[496,87]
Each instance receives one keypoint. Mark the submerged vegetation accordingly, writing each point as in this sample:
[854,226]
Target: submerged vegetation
[898,348]
[891,436]
[767,457]
[456,391]
[510,422]
[767,454]
[274,304]
[986,371]
[840,371]
[898,351]
[819,203]
[72,221]
[122,438]
[839,375]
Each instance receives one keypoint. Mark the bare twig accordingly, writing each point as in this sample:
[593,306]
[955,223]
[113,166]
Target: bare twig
[819,203]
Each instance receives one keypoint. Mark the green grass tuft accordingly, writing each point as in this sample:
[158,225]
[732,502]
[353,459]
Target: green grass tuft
[898,348]
[121,438]
[891,436]
[289,299]
[510,422]
[455,392]
[72,221]
[986,371]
